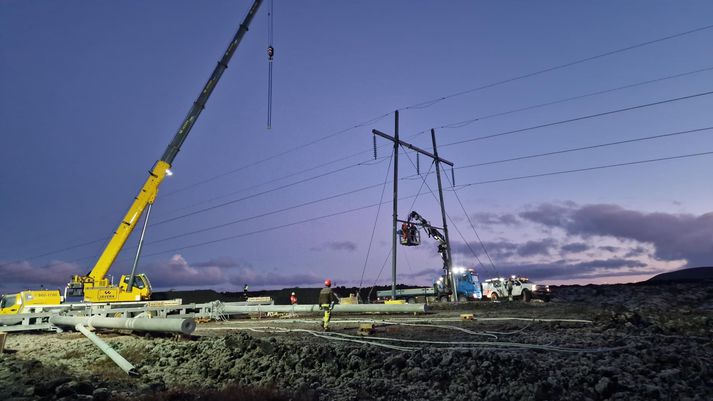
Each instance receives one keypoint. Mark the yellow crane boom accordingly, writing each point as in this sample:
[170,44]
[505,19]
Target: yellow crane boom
[95,286]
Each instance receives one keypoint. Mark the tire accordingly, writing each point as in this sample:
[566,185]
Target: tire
[493,296]
[444,299]
[411,300]
[526,296]
[462,298]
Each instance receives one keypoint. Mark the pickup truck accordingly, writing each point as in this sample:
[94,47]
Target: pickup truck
[497,288]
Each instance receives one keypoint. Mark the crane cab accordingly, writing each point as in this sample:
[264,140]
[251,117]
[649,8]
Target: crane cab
[104,291]
[409,235]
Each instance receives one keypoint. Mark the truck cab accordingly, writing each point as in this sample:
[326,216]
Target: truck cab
[12,304]
[467,285]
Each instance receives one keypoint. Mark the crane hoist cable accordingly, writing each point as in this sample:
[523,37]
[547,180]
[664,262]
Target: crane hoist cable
[270,55]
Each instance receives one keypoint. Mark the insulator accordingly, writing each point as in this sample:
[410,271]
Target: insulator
[453,177]
[374,137]
[418,165]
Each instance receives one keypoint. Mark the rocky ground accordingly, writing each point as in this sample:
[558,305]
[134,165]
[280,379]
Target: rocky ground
[618,342]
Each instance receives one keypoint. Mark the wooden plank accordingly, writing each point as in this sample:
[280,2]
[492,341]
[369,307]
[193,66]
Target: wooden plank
[3,336]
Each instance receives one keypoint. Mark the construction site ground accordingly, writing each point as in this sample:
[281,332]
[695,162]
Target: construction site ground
[618,342]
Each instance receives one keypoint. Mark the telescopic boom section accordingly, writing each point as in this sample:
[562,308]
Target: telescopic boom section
[148,192]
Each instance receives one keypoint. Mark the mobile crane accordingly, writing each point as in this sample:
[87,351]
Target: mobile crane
[95,286]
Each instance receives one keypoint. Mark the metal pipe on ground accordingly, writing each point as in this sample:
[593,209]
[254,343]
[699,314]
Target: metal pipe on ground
[125,365]
[346,308]
[181,326]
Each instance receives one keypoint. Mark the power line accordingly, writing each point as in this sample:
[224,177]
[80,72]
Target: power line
[376,219]
[449,217]
[431,102]
[104,239]
[601,145]
[580,118]
[459,124]
[256,194]
[266,229]
[482,244]
[456,188]
[277,179]
[523,177]
[407,197]
[278,155]
[469,121]
[242,220]
[452,125]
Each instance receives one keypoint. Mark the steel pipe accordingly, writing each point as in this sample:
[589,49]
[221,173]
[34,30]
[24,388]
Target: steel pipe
[182,326]
[346,308]
[125,365]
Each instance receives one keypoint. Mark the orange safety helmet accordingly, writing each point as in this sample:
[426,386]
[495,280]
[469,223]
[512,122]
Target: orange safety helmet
[327,283]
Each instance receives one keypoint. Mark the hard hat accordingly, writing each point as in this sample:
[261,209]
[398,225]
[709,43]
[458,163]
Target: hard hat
[293,293]
[327,283]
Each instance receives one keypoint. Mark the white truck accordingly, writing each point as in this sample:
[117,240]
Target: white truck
[520,287]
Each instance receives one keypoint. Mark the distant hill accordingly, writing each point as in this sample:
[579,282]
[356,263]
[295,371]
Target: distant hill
[691,274]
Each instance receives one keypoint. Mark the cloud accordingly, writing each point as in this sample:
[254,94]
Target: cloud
[275,278]
[674,236]
[575,247]
[534,248]
[612,249]
[336,246]
[487,218]
[496,249]
[177,272]
[505,249]
[424,273]
[638,251]
[562,269]
[23,274]
[222,262]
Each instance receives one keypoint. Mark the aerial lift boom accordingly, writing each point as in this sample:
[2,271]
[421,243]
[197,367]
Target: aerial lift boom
[95,286]
[411,237]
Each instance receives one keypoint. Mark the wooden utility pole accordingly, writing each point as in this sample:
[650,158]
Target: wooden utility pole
[395,139]
[396,204]
[437,160]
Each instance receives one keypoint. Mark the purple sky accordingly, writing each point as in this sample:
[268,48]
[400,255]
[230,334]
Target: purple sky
[94,91]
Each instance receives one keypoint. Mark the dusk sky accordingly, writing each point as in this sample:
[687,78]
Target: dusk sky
[93,92]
